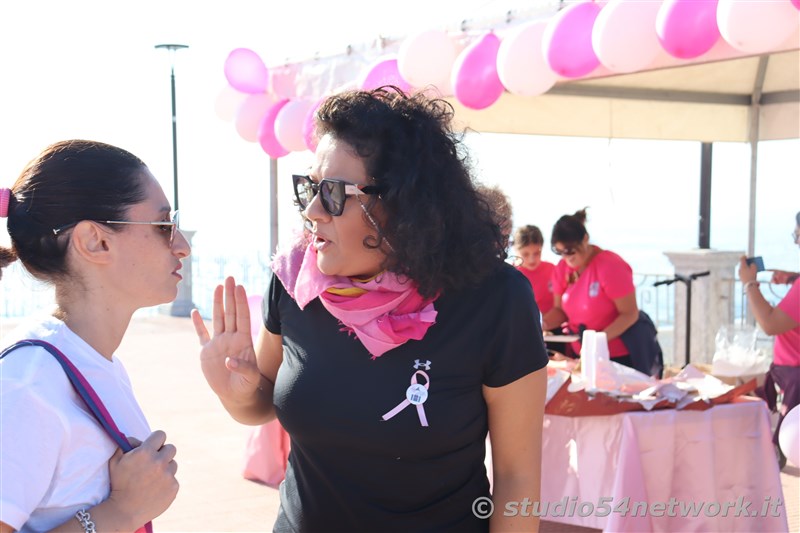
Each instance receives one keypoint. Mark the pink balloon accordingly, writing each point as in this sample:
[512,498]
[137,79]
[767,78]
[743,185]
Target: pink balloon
[687,28]
[227,102]
[426,58]
[521,64]
[383,72]
[289,124]
[245,71]
[756,27]
[250,113]
[308,126]
[796,3]
[266,132]
[476,83]
[624,35]
[567,41]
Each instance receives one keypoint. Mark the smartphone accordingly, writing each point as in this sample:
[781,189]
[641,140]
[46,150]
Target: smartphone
[758,261]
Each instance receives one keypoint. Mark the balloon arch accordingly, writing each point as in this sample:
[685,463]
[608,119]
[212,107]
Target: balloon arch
[275,106]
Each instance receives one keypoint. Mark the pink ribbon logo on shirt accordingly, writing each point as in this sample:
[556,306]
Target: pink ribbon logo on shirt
[416,394]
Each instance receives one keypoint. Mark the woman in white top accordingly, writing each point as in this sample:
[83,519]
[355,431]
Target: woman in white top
[90,219]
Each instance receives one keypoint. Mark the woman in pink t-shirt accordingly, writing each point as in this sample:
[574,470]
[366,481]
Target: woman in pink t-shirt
[592,288]
[782,321]
[528,242]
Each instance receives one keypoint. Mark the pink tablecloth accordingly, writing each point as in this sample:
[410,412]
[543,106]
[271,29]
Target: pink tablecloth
[701,460]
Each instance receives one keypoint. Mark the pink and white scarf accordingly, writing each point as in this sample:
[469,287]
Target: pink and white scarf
[386,316]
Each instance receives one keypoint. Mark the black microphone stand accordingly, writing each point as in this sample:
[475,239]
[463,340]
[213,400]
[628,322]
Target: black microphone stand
[688,281]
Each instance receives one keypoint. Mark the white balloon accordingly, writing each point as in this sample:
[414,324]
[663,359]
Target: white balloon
[756,26]
[289,124]
[250,113]
[789,435]
[426,58]
[521,64]
[227,102]
[624,35]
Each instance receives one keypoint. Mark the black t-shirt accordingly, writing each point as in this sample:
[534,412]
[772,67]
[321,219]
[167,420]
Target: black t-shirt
[349,470]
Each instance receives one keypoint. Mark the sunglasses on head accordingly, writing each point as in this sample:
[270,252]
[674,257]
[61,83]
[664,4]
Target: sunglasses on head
[332,193]
[572,250]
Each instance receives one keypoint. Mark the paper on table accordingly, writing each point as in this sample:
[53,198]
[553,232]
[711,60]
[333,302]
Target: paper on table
[560,338]
[555,379]
[628,385]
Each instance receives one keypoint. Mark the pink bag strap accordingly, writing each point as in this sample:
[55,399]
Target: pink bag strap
[87,394]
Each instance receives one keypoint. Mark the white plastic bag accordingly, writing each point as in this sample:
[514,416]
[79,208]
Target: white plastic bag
[736,353]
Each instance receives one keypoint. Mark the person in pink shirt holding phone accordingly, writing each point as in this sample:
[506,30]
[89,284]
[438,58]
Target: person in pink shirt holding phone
[592,288]
[528,242]
[783,322]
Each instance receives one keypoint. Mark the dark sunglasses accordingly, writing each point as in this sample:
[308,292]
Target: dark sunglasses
[333,193]
[566,251]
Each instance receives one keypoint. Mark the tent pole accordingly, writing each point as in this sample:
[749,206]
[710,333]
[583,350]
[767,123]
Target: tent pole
[751,225]
[704,233]
[273,206]
[753,135]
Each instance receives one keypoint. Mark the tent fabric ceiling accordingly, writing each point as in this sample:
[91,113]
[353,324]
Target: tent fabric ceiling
[705,102]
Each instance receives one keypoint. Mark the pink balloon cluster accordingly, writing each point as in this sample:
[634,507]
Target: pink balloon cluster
[263,107]
[620,35]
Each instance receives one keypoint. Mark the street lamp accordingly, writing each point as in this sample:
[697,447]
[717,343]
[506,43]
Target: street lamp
[172,48]
[183,305]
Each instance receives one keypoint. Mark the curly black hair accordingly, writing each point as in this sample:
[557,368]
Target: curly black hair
[442,232]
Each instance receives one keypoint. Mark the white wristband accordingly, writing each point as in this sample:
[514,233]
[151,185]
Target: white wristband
[85,520]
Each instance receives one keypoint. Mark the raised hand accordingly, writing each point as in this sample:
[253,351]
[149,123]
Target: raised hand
[746,272]
[143,483]
[228,359]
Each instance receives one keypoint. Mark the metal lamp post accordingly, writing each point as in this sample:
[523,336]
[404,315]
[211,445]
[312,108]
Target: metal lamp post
[182,306]
[172,48]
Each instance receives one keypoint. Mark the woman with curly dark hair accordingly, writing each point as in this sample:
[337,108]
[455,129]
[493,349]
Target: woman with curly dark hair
[395,336]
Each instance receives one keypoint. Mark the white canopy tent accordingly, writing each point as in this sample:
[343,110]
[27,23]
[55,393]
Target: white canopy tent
[734,99]
[723,96]
[707,102]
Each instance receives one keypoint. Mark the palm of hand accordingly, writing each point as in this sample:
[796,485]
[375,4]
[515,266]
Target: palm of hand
[235,349]
[228,359]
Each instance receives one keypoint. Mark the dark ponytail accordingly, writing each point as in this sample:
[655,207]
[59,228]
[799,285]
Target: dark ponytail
[570,229]
[68,182]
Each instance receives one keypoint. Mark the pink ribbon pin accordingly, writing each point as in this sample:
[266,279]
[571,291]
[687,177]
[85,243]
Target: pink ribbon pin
[416,394]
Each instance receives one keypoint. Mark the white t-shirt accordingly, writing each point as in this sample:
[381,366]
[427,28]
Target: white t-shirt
[53,452]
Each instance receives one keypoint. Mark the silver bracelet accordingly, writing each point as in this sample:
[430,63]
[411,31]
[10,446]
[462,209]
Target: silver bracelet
[85,519]
[749,284]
